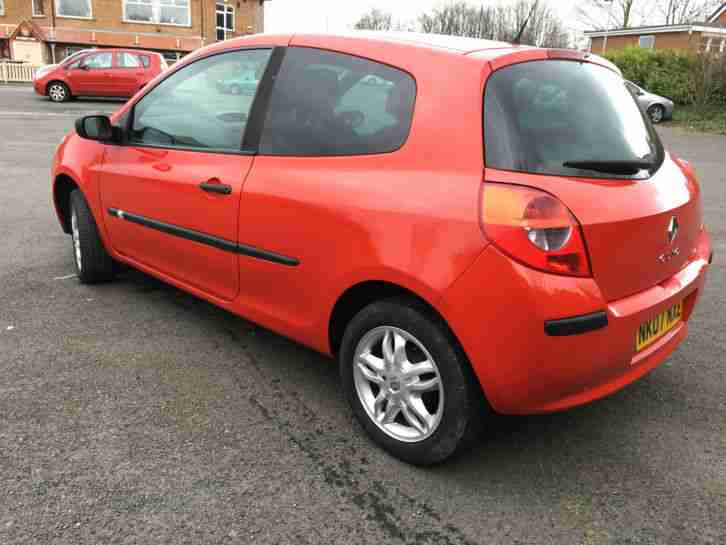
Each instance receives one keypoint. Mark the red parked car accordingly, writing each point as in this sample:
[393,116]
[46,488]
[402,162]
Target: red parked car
[99,73]
[463,224]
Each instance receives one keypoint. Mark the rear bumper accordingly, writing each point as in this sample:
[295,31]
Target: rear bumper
[498,310]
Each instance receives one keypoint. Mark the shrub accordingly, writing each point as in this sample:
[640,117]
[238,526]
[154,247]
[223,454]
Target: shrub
[668,73]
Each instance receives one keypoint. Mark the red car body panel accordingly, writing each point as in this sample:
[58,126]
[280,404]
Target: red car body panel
[115,81]
[410,218]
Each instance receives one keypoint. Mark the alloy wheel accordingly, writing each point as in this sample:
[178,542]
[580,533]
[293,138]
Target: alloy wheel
[656,114]
[76,240]
[398,384]
[57,93]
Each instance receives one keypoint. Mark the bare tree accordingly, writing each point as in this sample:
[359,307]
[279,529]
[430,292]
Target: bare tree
[677,12]
[527,21]
[601,14]
[375,20]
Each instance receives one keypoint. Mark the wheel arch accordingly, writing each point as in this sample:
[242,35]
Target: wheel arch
[360,295]
[51,82]
[63,186]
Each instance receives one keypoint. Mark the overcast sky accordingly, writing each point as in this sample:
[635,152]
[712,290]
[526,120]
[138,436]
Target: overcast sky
[340,15]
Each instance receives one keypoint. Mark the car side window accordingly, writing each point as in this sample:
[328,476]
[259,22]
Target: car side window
[145,60]
[194,109]
[328,104]
[128,60]
[99,61]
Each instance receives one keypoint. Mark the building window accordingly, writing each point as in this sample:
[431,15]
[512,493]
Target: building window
[723,45]
[73,8]
[158,12]
[647,42]
[38,10]
[2,7]
[225,22]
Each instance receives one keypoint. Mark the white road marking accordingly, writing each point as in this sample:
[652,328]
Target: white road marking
[65,277]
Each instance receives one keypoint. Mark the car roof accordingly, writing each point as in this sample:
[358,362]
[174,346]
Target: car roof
[455,45]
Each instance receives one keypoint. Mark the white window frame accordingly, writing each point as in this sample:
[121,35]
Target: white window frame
[649,36]
[155,14]
[2,7]
[90,12]
[224,12]
[35,3]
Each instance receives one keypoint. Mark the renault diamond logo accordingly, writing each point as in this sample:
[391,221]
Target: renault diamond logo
[672,230]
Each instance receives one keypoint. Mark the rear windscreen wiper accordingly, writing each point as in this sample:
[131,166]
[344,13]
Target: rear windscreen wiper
[611,167]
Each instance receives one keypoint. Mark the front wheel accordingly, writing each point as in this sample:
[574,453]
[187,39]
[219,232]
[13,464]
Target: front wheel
[93,264]
[656,113]
[408,383]
[59,92]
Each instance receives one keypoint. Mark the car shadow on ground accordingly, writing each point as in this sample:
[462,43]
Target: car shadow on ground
[554,444]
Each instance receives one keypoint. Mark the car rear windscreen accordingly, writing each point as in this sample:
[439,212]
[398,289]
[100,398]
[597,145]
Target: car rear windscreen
[542,116]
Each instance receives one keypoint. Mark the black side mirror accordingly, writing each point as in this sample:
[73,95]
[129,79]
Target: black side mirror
[95,127]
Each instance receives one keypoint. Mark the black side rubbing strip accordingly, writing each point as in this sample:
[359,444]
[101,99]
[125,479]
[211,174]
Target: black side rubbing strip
[261,103]
[576,325]
[201,238]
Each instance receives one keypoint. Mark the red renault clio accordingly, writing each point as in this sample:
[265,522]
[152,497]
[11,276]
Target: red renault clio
[463,224]
[99,73]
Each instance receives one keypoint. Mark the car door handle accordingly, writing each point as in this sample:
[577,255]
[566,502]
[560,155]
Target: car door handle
[216,187]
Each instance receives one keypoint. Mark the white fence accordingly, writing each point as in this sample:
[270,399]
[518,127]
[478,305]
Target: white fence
[11,71]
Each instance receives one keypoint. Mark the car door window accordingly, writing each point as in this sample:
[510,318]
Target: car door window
[191,109]
[128,60]
[100,61]
[326,103]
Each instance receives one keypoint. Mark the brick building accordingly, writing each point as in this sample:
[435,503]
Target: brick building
[43,31]
[709,35]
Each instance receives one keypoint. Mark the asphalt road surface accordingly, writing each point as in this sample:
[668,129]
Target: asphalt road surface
[134,413]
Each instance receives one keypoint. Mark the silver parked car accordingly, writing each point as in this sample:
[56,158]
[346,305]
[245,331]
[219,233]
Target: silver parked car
[657,107]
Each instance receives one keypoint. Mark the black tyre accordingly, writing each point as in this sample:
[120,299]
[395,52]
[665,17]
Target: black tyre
[59,92]
[93,264]
[656,113]
[408,382]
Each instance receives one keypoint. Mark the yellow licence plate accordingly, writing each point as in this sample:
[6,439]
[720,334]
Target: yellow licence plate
[656,327]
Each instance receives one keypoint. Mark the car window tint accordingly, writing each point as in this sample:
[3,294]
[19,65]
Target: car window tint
[99,61]
[145,61]
[128,60]
[192,109]
[326,103]
[540,115]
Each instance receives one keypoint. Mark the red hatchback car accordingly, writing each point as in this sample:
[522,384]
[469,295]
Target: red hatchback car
[99,73]
[464,224]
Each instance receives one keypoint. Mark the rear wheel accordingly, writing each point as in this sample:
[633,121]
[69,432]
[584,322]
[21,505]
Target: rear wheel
[408,383]
[58,91]
[93,264]
[656,113]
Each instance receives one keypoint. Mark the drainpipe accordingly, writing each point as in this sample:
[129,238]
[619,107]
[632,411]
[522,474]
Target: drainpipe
[203,22]
[52,30]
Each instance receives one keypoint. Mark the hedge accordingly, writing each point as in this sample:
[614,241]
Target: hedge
[677,75]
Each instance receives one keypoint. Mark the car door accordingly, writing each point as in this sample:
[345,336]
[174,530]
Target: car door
[327,156]
[172,193]
[128,74]
[92,76]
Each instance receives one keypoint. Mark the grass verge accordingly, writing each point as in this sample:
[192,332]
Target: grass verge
[710,119]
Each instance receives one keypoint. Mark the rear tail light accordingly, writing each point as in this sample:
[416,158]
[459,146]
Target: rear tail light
[535,228]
